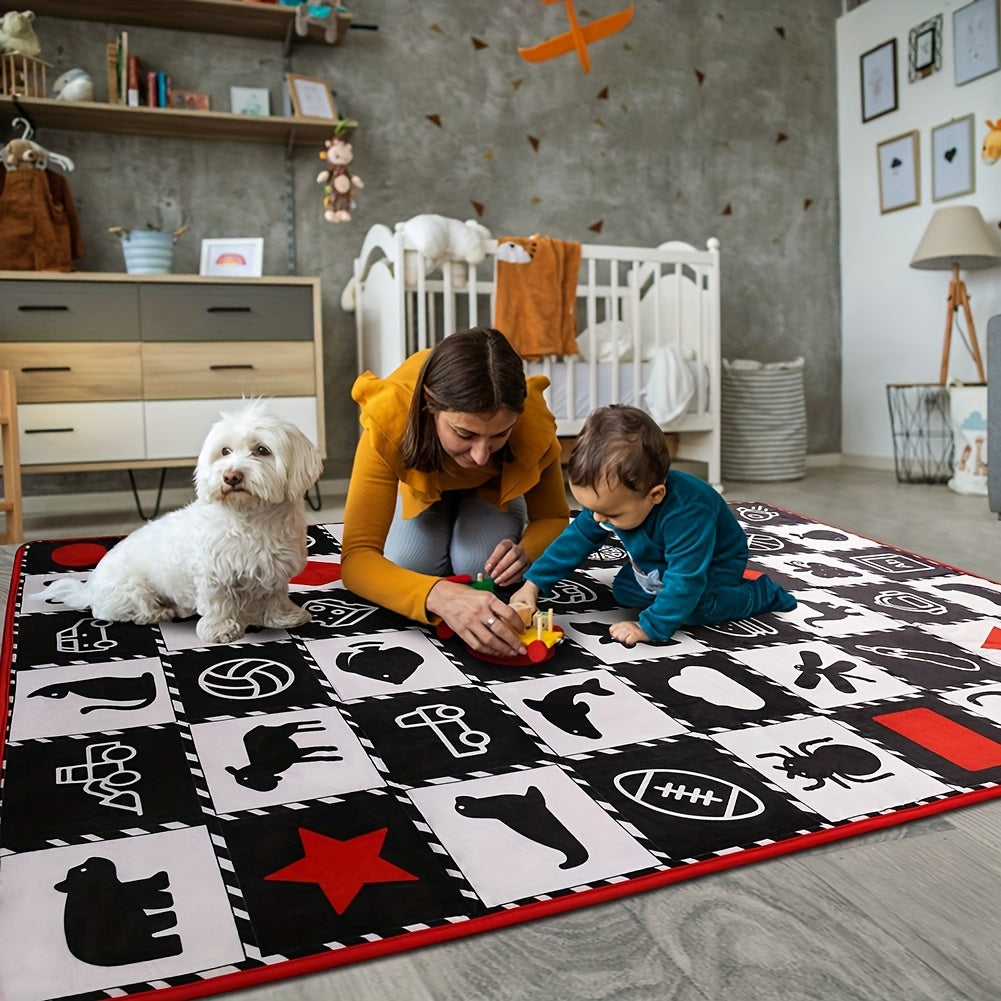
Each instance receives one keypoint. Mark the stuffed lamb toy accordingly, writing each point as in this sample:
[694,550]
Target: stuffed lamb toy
[443,240]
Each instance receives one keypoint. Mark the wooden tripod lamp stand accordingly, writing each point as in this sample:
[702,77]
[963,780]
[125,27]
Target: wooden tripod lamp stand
[957,237]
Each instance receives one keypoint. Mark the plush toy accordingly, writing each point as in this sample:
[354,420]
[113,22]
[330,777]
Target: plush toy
[338,182]
[74,85]
[309,13]
[23,154]
[991,150]
[443,240]
[17,36]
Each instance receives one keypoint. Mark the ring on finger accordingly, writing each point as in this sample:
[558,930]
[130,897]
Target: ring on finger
[490,622]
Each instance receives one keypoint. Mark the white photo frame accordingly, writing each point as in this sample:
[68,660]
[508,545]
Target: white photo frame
[232,257]
[311,97]
[952,170]
[977,49]
[878,70]
[250,100]
[898,172]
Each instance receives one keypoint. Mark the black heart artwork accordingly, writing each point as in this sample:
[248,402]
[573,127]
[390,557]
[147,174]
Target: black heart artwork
[950,153]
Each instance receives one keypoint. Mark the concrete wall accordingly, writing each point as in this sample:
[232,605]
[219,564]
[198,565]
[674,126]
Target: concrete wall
[894,315]
[697,120]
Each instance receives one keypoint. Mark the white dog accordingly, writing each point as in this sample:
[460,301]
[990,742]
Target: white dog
[230,553]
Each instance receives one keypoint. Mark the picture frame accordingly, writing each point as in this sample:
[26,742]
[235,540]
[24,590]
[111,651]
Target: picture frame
[232,257]
[878,71]
[311,97]
[897,160]
[952,164]
[250,101]
[924,49]
[977,50]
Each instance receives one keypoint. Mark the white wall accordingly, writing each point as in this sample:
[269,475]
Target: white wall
[893,316]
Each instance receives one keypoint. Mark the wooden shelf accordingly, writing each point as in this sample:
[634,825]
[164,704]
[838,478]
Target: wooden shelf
[215,17]
[87,116]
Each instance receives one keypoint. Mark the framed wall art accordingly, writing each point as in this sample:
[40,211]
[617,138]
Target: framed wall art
[952,159]
[249,100]
[311,97]
[924,49]
[232,257]
[897,160]
[975,40]
[878,69]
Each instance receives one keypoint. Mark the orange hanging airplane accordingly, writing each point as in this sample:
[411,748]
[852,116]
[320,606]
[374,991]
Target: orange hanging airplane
[578,37]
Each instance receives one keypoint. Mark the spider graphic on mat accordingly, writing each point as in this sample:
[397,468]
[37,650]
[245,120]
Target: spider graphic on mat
[840,763]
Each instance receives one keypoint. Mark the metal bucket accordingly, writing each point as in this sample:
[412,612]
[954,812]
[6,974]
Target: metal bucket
[148,252]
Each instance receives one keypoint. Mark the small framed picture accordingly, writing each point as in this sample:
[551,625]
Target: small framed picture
[878,68]
[311,97]
[249,101]
[975,37]
[952,159]
[232,257]
[924,49]
[898,172]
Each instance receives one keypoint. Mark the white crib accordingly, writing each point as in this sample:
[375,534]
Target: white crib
[649,321]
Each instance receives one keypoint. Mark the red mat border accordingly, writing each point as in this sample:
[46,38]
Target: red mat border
[522,913]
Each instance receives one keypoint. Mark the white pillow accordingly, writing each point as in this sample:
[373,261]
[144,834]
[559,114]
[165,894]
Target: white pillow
[612,339]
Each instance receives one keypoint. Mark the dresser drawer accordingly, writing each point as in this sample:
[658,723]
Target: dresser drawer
[57,373]
[241,312]
[192,371]
[80,432]
[68,311]
[176,429]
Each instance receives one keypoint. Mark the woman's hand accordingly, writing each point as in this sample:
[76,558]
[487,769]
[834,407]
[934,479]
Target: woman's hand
[507,563]
[479,618]
[629,633]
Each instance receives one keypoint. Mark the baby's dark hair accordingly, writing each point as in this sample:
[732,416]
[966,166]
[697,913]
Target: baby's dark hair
[619,444]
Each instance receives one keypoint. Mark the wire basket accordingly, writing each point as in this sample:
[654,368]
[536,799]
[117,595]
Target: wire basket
[922,432]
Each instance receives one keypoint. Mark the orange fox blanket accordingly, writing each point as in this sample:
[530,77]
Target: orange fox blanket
[536,294]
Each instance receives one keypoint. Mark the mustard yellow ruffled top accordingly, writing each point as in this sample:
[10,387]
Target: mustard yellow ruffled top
[378,475]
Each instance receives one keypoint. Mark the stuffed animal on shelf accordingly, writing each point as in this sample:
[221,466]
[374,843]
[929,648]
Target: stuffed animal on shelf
[324,14]
[339,183]
[74,85]
[442,240]
[991,150]
[17,35]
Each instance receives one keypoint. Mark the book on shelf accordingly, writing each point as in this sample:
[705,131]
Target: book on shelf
[134,77]
[112,72]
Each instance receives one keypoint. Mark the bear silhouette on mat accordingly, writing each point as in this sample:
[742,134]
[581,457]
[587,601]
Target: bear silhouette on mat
[106,921]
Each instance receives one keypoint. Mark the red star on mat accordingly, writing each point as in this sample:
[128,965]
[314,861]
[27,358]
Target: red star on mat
[993,641]
[342,868]
[317,573]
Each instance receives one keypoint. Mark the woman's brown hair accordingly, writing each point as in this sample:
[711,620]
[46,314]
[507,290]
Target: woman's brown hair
[473,371]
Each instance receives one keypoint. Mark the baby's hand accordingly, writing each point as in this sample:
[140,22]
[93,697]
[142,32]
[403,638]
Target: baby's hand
[527,596]
[629,633]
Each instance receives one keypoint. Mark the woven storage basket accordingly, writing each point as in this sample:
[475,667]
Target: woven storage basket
[763,420]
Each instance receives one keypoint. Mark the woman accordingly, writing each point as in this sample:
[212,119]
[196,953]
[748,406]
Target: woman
[457,472]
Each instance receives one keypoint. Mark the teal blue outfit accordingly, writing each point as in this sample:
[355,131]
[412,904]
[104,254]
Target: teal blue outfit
[686,562]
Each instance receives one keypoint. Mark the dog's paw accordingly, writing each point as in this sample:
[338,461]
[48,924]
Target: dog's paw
[286,618]
[218,630]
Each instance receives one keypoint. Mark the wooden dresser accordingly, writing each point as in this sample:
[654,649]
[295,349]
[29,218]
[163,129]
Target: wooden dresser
[121,371]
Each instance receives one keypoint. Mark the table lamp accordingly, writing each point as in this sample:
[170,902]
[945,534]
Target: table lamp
[958,237]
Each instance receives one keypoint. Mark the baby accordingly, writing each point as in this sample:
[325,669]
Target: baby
[687,552]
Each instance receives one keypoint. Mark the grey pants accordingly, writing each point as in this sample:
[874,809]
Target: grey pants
[456,535]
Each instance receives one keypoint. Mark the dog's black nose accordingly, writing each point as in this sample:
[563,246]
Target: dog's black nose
[232,479]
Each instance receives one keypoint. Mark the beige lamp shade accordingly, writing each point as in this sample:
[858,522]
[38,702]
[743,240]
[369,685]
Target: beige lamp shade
[957,235]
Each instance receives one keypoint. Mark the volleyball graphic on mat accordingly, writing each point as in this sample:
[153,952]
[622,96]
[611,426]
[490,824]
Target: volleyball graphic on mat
[246,678]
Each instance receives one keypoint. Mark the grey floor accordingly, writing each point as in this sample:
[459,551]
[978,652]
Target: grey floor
[910,912]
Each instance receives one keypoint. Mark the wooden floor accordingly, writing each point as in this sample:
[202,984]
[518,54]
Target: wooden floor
[907,913]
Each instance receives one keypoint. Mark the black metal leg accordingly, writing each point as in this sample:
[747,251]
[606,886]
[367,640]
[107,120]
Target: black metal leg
[159,495]
[319,501]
